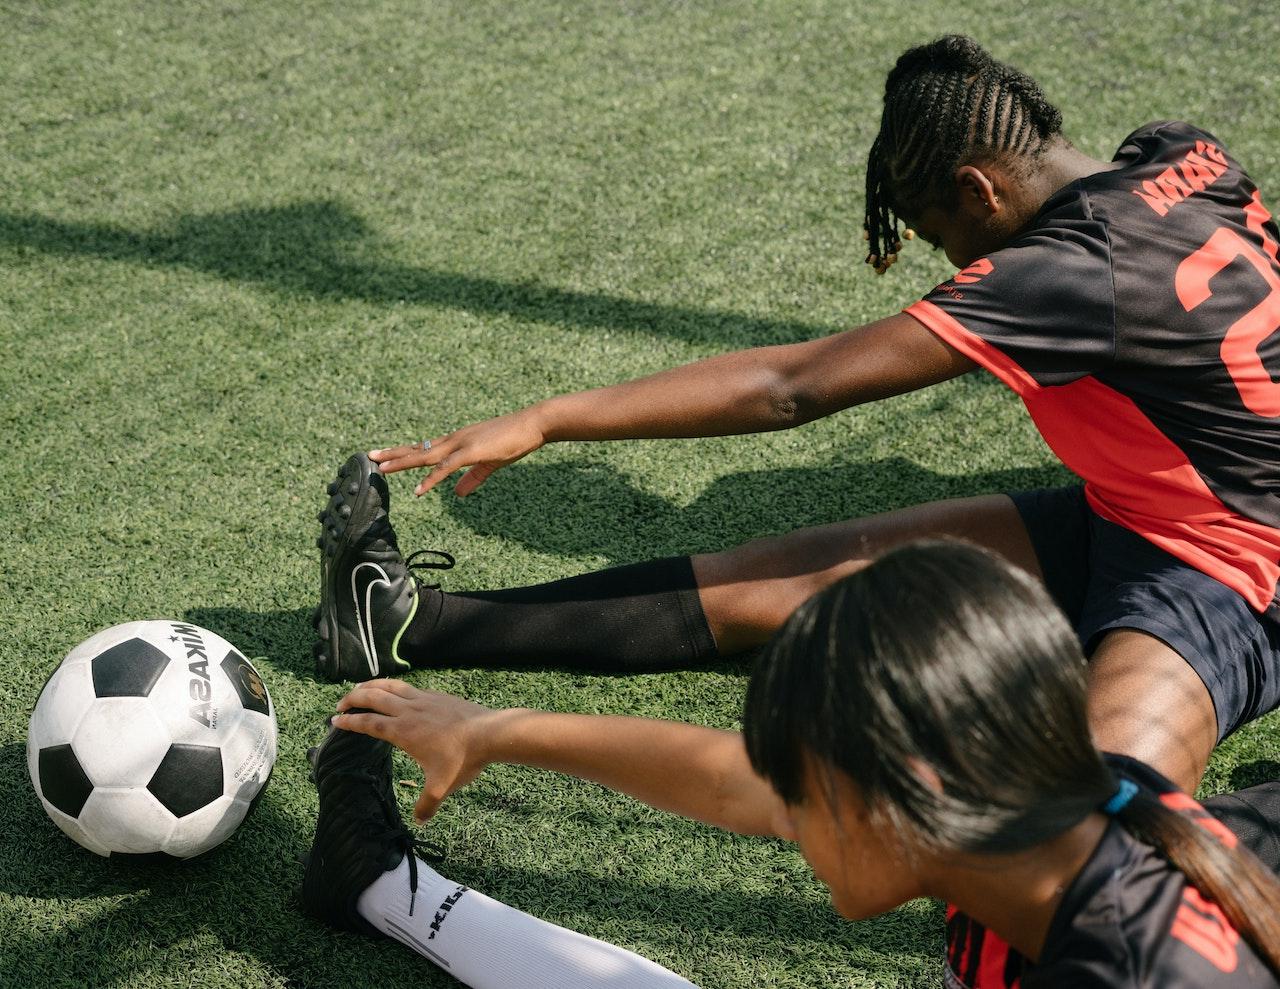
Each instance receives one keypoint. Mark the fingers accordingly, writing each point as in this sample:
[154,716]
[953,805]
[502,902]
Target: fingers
[391,686]
[403,450]
[443,468]
[426,806]
[373,725]
[398,458]
[383,696]
[473,478]
[444,456]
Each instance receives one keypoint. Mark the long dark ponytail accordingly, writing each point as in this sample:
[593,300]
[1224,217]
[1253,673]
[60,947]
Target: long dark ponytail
[942,655]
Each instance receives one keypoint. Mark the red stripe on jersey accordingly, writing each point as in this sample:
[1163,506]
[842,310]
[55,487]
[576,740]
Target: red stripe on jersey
[1199,923]
[1134,474]
[1203,927]
[1186,804]
[990,969]
[995,959]
[973,346]
[1256,216]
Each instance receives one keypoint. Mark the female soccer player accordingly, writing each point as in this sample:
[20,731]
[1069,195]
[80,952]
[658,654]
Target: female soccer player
[1132,305]
[919,728]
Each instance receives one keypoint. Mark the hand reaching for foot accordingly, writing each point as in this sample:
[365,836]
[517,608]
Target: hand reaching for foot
[444,734]
[483,446]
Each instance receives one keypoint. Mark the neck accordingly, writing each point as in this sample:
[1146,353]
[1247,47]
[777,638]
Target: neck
[1017,895]
[1063,164]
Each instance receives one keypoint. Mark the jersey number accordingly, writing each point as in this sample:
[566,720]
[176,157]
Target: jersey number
[1258,390]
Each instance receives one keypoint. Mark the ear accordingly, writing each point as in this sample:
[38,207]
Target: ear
[925,773]
[977,192]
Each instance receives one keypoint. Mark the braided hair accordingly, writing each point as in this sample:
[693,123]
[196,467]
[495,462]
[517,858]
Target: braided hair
[945,104]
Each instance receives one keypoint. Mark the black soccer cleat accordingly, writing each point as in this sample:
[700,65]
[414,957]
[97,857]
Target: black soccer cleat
[368,594]
[359,831]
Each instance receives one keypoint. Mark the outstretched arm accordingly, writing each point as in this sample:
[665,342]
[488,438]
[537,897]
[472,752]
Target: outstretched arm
[749,391]
[697,772]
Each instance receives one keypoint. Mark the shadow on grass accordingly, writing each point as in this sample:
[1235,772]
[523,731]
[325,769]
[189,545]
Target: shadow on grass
[147,914]
[299,249]
[284,637]
[111,921]
[586,509]
[1253,773]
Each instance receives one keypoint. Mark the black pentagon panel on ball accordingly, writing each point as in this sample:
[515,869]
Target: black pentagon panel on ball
[62,780]
[130,669]
[189,777]
[249,686]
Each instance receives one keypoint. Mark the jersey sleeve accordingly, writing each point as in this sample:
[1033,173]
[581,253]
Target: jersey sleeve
[1039,312]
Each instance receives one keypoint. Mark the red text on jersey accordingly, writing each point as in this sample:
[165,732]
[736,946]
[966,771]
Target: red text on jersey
[1193,173]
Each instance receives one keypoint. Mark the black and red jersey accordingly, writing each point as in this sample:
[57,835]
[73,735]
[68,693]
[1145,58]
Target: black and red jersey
[1129,919]
[1137,316]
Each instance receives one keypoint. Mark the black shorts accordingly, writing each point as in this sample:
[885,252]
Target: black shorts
[1105,577]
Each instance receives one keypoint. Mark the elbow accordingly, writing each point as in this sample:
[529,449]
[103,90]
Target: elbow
[786,412]
[785,406]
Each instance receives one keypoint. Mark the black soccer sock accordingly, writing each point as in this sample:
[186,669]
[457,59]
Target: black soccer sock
[646,616]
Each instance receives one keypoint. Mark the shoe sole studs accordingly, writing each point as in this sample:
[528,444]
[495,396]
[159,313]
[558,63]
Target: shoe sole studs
[333,520]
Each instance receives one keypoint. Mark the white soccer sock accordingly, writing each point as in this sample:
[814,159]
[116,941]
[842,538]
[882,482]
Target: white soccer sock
[489,945]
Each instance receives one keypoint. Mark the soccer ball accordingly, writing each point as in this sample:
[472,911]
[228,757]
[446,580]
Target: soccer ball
[151,737]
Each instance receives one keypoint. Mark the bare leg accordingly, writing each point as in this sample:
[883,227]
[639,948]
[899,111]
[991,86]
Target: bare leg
[680,612]
[1145,701]
[749,591]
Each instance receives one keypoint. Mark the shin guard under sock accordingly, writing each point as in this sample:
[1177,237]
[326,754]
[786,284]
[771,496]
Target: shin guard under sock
[646,616]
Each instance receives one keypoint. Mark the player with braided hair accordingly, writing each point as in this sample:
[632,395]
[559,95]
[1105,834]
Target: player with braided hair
[1131,304]
[986,110]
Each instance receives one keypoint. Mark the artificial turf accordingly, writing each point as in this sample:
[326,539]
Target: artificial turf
[238,241]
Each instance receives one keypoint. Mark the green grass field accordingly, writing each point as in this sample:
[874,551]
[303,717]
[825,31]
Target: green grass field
[238,241]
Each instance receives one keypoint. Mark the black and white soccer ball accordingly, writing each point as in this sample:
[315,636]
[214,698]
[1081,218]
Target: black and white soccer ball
[152,737]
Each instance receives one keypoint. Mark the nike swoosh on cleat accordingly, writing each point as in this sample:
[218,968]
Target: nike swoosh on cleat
[366,586]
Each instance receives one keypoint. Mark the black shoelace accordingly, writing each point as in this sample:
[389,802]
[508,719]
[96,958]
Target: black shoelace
[445,561]
[413,847]
[390,828]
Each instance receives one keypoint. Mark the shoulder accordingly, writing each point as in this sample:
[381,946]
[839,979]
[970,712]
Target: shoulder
[1131,919]
[1149,140]
[1093,930]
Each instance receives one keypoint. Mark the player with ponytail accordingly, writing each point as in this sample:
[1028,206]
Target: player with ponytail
[919,728]
[944,688]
